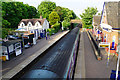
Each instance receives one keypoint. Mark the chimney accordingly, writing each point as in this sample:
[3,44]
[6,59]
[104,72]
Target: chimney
[41,17]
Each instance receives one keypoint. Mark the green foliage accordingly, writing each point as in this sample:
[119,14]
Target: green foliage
[13,12]
[54,29]
[53,18]
[0,19]
[5,23]
[45,8]
[69,14]
[87,16]
[5,32]
[50,31]
[99,13]
[77,18]
[7,0]
[65,13]
[60,12]
[56,26]
[75,24]
[66,24]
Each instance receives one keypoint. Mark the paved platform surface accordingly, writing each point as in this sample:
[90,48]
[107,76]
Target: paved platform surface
[10,68]
[93,67]
[80,69]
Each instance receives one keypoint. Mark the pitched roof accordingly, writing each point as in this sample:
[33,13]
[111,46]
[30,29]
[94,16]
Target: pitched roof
[96,20]
[8,43]
[33,21]
[112,11]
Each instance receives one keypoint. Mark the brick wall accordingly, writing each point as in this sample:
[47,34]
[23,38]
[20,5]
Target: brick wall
[110,36]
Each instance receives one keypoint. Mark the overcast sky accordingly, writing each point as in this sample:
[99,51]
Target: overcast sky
[77,6]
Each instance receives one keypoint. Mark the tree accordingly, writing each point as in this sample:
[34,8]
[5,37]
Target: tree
[60,12]
[53,18]
[65,24]
[65,13]
[68,14]
[5,23]
[7,0]
[45,8]
[87,16]
[13,12]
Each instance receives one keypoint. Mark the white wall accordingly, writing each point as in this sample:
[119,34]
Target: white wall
[37,25]
[29,27]
[44,26]
[21,25]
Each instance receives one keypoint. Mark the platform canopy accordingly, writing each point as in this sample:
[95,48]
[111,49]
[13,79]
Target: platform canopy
[21,29]
[106,26]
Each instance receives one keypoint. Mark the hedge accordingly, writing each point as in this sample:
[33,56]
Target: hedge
[55,28]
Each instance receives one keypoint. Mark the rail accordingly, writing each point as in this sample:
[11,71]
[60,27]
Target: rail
[71,59]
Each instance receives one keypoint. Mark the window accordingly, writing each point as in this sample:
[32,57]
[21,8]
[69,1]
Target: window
[37,25]
[29,25]
[22,25]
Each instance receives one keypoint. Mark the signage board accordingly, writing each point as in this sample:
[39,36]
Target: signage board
[104,45]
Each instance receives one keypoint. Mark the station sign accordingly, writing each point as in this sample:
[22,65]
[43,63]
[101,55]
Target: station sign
[104,45]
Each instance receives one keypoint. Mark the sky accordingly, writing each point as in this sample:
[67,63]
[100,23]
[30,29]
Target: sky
[77,6]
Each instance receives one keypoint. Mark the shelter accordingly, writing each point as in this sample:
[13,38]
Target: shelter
[12,47]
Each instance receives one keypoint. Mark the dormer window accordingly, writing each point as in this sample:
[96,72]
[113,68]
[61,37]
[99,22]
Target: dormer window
[22,25]
[29,25]
[37,25]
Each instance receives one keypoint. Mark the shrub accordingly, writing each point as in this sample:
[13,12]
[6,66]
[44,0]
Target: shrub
[5,32]
[66,24]
[56,26]
[50,32]
[53,30]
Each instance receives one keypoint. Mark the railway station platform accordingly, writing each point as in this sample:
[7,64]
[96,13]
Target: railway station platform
[88,66]
[12,67]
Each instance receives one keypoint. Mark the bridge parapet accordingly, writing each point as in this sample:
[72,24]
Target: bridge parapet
[76,21]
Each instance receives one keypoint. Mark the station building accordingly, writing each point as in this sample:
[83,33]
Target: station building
[35,26]
[110,24]
[96,25]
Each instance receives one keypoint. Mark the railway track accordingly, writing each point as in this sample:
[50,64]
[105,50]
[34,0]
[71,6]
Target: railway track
[58,61]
